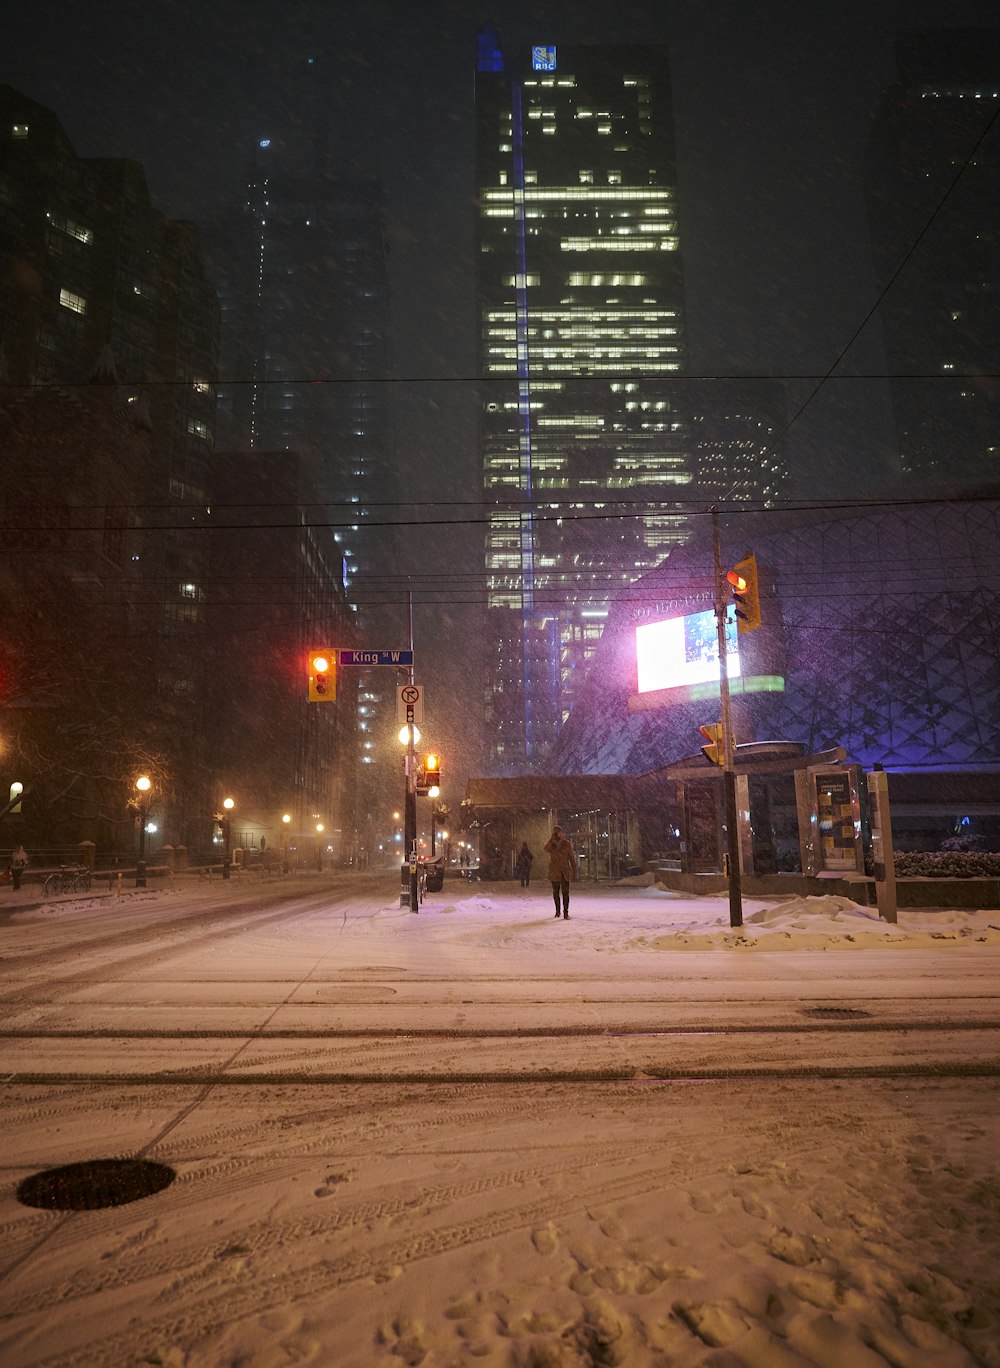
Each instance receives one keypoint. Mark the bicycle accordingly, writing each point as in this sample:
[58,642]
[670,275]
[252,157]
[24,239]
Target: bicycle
[67,879]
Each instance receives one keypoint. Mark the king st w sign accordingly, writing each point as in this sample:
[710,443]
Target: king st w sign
[374,657]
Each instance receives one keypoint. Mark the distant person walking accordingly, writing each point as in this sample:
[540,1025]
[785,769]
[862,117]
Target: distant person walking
[524,863]
[562,868]
[18,864]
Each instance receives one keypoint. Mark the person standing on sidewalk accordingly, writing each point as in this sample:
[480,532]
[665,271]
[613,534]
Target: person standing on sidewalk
[562,868]
[524,863]
[18,864]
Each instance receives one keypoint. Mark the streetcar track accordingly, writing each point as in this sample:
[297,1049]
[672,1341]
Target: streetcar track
[829,1027]
[56,985]
[130,931]
[700,1073]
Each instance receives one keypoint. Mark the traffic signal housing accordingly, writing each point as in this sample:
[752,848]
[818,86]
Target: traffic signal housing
[432,775]
[715,751]
[322,676]
[746,594]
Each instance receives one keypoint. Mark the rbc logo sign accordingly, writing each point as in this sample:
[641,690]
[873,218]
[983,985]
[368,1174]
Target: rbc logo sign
[543,59]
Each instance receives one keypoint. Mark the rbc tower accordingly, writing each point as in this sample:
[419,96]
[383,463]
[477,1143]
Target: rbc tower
[581,333]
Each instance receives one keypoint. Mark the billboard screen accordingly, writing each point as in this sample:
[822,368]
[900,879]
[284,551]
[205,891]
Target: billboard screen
[684,651]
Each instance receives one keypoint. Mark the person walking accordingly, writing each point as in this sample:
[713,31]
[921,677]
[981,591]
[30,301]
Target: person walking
[18,864]
[562,868]
[525,860]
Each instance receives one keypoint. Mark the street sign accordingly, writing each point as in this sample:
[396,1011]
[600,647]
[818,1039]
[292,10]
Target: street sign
[410,703]
[374,657]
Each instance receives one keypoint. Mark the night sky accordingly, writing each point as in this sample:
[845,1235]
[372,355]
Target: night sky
[772,101]
[772,107]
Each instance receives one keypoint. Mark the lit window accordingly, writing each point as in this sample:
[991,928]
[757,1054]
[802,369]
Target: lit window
[71,228]
[197,428]
[72,301]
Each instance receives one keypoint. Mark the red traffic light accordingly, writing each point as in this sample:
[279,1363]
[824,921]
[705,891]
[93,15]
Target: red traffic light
[743,581]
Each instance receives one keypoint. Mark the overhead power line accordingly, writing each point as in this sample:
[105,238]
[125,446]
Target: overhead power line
[538,514]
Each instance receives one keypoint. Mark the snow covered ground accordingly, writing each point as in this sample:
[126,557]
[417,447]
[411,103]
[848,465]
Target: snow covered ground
[480,1136]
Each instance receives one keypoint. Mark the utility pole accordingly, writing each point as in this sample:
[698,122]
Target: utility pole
[729,749]
[410,810]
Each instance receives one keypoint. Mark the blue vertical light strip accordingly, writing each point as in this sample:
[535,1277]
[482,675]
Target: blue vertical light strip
[527,525]
[488,54]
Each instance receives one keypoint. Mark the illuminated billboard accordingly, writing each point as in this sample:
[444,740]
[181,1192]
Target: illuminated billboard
[683,652]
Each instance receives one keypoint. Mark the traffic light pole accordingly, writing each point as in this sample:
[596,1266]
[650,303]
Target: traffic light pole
[729,748]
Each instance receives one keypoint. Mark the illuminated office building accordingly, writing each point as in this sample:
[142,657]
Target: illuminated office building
[585,449]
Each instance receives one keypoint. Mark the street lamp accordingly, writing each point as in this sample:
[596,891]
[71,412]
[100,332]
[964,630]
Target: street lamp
[227,837]
[286,821]
[439,813]
[142,785]
[408,737]
[320,828]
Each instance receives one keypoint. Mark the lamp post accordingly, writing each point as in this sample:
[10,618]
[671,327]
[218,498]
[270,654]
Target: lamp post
[320,828]
[286,820]
[409,736]
[227,837]
[142,786]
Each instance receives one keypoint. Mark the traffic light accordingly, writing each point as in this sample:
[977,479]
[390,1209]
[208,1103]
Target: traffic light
[746,596]
[432,774]
[322,676]
[715,750]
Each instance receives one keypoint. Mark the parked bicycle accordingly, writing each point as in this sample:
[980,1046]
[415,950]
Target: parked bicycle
[67,879]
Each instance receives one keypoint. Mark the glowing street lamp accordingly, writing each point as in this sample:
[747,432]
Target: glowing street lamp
[286,821]
[142,786]
[227,836]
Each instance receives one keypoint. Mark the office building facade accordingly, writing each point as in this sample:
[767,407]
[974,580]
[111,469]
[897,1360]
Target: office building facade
[584,441]
[933,193]
[301,270]
[96,285]
[301,267]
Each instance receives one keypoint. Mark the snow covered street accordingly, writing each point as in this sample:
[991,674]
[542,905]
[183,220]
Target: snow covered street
[478,1135]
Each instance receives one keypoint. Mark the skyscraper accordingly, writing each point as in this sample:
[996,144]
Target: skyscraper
[301,269]
[92,274]
[301,272]
[584,444]
[933,191]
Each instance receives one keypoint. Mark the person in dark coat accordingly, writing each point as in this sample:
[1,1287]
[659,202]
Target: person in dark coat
[562,868]
[18,864]
[524,863]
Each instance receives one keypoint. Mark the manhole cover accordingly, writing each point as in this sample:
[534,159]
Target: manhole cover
[93,1184]
[835,1013]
